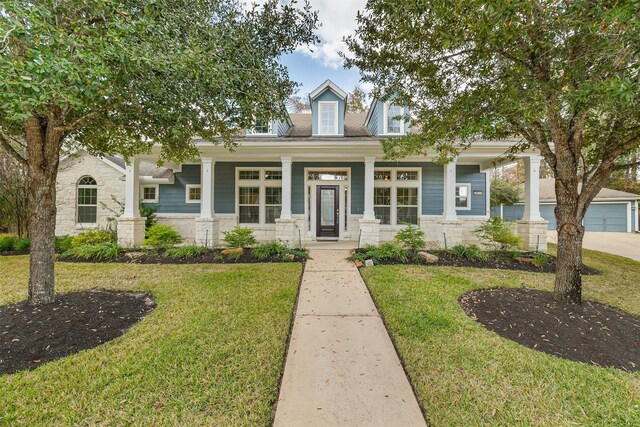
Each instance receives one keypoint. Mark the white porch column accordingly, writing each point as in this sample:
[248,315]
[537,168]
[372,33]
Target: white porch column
[369,164]
[207,227]
[132,189]
[130,223]
[285,213]
[207,176]
[532,189]
[449,200]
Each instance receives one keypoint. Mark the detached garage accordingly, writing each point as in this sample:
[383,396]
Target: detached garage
[611,210]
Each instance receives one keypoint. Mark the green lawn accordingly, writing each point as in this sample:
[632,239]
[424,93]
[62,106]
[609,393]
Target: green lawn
[211,353]
[466,375]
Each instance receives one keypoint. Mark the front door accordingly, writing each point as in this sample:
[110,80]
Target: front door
[328,214]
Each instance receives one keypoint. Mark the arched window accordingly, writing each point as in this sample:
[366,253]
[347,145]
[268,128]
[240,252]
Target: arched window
[87,200]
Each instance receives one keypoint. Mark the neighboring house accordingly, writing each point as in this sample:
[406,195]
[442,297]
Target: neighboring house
[318,176]
[611,210]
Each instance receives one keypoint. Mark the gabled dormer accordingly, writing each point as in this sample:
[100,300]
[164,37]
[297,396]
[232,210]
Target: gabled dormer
[270,128]
[328,106]
[385,118]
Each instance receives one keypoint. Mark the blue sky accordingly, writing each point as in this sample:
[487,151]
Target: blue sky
[310,66]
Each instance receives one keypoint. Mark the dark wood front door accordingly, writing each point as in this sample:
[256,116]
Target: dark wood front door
[327,211]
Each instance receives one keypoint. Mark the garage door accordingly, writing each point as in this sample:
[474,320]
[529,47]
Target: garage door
[606,217]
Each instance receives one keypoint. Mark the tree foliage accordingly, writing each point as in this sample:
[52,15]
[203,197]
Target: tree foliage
[357,101]
[504,193]
[562,76]
[298,104]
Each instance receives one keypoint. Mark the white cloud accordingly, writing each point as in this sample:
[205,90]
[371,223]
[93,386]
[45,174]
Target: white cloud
[338,20]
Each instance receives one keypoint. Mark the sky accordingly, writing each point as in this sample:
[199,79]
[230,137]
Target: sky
[311,66]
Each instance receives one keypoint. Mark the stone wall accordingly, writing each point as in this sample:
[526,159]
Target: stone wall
[110,184]
[460,230]
[185,225]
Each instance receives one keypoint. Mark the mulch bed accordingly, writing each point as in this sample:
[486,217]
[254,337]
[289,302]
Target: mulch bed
[592,332]
[31,336]
[212,257]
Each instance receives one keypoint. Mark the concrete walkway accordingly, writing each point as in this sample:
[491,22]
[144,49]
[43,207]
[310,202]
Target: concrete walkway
[341,368]
[623,244]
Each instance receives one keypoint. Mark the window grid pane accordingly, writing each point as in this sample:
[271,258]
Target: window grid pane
[393,123]
[273,175]
[382,175]
[249,175]
[249,195]
[407,175]
[262,126]
[327,119]
[149,193]
[194,193]
[87,214]
[327,176]
[249,214]
[273,195]
[462,196]
[408,215]
[87,196]
[272,213]
[383,214]
[407,197]
[382,197]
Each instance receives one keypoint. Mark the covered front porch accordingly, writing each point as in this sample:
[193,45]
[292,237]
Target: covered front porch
[328,191]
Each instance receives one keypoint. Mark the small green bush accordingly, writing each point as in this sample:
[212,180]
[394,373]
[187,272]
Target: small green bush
[275,250]
[162,236]
[6,242]
[100,251]
[411,238]
[93,237]
[540,259]
[22,244]
[384,252]
[186,251]
[239,237]
[499,234]
[148,211]
[470,252]
[63,243]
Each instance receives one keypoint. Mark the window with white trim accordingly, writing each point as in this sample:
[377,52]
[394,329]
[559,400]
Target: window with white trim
[193,193]
[149,193]
[327,117]
[87,201]
[259,195]
[261,127]
[396,195]
[393,120]
[463,196]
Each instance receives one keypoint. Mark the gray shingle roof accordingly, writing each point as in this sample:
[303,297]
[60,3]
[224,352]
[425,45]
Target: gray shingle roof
[353,125]
[548,192]
[146,168]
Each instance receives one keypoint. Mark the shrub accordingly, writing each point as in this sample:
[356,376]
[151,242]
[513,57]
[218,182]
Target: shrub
[63,243]
[470,252]
[186,251]
[22,244]
[384,252]
[540,259]
[498,233]
[6,242]
[93,237]
[411,238]
[239,237]
[162,236]
[274,250]
[100,251]
[149,214]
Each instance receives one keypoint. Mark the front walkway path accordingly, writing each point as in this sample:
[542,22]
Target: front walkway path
[341,368]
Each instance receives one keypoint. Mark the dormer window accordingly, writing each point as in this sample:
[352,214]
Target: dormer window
[328,117]
[393,123]
[262,127]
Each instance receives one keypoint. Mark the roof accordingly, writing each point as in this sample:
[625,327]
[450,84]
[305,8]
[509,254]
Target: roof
[548,193]
[146,168]
[330,85]
[353,126]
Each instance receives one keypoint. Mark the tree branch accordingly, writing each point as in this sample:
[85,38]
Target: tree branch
[12,151]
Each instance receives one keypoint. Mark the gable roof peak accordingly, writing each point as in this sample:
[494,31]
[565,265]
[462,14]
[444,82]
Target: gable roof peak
[328,84]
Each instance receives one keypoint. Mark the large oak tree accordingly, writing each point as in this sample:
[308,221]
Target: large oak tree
[117,76]
[562,75]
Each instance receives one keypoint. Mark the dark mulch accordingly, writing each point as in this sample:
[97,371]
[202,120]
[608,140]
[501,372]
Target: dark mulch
[31,336]
[500,261]
[12,252]
[212,257]
[591,333]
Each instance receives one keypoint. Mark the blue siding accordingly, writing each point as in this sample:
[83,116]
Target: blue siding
[327,95]
[171,197]
[376,122]
[280,128]
[432,184]
[357,184]
[470,174]
[224,183]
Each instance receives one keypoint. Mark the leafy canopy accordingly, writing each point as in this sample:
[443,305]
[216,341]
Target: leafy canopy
[117,75]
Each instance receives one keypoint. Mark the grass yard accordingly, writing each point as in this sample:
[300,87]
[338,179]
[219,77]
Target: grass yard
[467,375]
[211,353]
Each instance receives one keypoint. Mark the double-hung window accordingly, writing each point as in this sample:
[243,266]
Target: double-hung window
[259,195]
[328,118]
[87,201]
[396,197]
[261,127]
[394,121]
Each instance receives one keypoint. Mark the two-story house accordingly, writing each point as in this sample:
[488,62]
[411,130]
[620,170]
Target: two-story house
[313,177]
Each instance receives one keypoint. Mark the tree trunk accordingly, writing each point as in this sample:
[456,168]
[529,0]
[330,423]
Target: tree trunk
[568,284]
[43,150]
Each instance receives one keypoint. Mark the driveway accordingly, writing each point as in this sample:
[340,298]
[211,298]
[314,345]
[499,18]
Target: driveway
[623,244]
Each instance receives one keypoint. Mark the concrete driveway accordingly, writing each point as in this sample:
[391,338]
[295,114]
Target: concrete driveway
[623,244]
